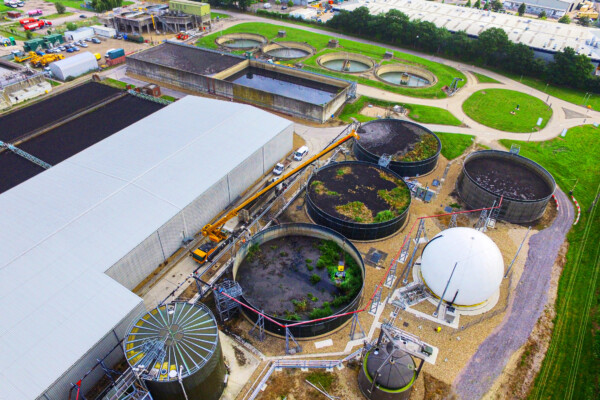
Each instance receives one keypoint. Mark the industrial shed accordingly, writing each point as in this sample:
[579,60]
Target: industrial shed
[74,66]
[115,210]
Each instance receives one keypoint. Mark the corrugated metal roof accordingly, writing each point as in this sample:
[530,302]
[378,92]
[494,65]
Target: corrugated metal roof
[62,229]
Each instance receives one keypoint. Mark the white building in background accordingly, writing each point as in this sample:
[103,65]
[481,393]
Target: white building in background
[79,236]
[104,31]
[553,8]
[544,37]
[79,34]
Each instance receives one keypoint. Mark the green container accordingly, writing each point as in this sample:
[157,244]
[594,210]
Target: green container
[56,39]
[34,45]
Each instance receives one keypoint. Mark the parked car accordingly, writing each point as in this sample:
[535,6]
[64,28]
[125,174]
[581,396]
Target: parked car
[83,16]
[75,48]
[39,53]
[87,39]
[284,7]
[95,40]
[83,45]
[119,37]
[70,50]
[300,153]
[62,48]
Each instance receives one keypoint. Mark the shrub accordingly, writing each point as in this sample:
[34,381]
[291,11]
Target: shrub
[253,252]
[71,26]
[283,254]
[383,216]
[60,8]
[290,3]
[324,311]
[314,279]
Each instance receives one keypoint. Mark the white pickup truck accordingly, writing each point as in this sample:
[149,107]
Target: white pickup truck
[280,167]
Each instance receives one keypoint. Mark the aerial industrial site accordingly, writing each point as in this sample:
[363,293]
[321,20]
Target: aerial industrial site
[254,201]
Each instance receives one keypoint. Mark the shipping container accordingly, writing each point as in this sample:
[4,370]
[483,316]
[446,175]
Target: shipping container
[115,61]
[113,54]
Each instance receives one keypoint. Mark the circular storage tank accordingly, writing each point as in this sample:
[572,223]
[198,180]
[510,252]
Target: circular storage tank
[414,148]
[288,50]
[479,266]
[489,174]
[349,63]
[405,75]
[393,371]
[275,269]
[241,41]
[177,338]
[360,200]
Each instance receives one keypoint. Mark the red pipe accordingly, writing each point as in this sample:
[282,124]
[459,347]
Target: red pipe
[380,283]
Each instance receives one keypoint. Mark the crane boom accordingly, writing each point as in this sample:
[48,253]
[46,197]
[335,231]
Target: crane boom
[213,231]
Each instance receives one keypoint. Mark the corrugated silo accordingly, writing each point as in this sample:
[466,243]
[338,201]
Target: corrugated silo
[175,349]
[387,373]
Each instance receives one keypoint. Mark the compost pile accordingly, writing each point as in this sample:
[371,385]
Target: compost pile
[293,278]
[510,179]
[359,193]
[403,141]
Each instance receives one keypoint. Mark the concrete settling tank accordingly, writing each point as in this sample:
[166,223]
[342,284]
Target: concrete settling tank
[489,174]
[288,273]
[360,200]
[288,50]
[173,342]
[414,149]
[241,41]
[349,63]
[387,373]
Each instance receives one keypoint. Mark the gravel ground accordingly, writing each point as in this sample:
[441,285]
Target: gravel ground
[528,303]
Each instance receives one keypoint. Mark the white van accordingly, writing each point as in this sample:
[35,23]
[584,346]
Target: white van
[301,152]
[267,6]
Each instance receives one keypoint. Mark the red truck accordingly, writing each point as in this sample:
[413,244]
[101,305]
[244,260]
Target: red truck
[26,21]
[37,25]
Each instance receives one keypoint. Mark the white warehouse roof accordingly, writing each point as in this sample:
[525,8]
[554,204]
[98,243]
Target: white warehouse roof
[62,229]
[538,34]
[479,266]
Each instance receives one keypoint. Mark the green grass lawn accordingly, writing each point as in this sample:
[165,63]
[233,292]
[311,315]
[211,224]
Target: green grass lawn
[445,74]
[214,15]
[454,144]
[423,114]
[5,30]
[53,82]
[115,83]
[72,4]
[484,79]
[55,16]
[567,94]
[492,107]
[571,368]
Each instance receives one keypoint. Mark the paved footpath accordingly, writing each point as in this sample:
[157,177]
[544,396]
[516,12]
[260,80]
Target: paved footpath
[526,306]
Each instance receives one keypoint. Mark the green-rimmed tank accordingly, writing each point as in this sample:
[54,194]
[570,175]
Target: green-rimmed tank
[387,373]
[175,349]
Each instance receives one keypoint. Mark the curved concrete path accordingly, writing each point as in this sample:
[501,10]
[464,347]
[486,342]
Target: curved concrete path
[486,135]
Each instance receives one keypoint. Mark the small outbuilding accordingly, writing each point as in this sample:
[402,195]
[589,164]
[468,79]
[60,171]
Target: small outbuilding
[74,66]
[79,34]
[104,31]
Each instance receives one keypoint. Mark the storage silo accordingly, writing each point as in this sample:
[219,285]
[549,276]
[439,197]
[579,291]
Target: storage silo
[479,267]
[387,373]
[175,349]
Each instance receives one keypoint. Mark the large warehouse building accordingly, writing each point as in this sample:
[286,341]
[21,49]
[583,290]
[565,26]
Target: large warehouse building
[79,236]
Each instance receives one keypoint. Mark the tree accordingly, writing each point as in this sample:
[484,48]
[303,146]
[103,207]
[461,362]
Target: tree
[291,3]
[105,5]
[468,4]
[497,5]
[492,45]
[71,26]
[477,4]
[570,68]
[584,21]
[278,2]
[60,8]
[564,19]
[542,15]
[521,9]
[28,35]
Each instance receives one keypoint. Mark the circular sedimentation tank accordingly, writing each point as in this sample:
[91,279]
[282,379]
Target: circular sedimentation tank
[479,267]
[360,200]
[289,273]
[349,63]
[405,75]
[414,149]
[177,341]
[288,50]
[392,370]
[241,41]
[526,187]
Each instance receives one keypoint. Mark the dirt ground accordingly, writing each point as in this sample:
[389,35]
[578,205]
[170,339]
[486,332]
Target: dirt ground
[456,346]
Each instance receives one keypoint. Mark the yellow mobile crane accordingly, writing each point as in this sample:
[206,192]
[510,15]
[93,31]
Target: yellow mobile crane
[214,231]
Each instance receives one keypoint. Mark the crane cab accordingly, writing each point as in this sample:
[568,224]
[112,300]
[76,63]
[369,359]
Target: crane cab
[200,255]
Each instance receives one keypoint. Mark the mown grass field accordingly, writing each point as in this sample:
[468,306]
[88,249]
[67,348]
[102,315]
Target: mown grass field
[454,144]
[214,15]
[493,107]
[419,113]
[484,78]
[445,74]
[571,368]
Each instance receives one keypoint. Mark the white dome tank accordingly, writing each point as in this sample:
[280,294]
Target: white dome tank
[479,268]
